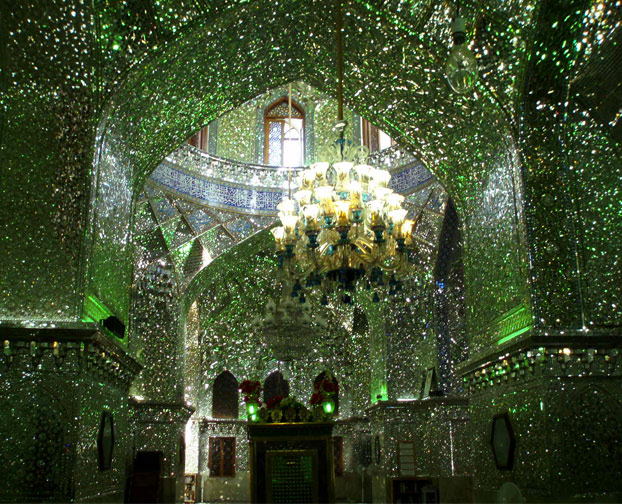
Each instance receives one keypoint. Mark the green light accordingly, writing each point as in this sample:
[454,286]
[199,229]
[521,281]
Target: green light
[95,310]
[513,335]
[252,408]
[329,407]
[380,395]
[253,418]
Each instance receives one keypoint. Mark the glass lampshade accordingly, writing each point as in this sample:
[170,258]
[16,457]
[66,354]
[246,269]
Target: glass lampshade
[382,193]
[376,208]
[279,237]
[394,201]
[252,408]
[461,69]
[287,207]
[356,191]
[324,193]
[310,214]
[342,208]
[289,222]
[320,169]
[397,217]
[306,179]
[363,171]
[407,228]
[303,197]
[329,406]
[381,177]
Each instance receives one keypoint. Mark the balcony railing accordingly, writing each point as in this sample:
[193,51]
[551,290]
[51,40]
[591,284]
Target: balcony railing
[257,189]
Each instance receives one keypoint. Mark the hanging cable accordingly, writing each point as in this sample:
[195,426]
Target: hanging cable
[339,62]
[290,127]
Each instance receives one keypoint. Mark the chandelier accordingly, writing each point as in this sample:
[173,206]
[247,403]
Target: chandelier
[344,226]
[288,328]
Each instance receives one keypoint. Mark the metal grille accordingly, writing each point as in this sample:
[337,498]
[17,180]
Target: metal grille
[291,478]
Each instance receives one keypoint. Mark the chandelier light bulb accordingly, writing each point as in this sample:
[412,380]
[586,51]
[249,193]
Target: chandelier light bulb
[394,201]
[303,197]
[461,67]
[397,217]
[324,193]
[319,171]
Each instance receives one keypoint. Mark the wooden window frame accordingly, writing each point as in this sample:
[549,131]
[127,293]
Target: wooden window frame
[267,119]
[221,463]
[370,135]
[200,139]
[400,469]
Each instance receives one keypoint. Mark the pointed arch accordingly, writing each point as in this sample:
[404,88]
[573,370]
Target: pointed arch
[275,385]
[225,396]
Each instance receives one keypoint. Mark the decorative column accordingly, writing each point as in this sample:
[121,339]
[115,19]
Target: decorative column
[161,427]
[64,413]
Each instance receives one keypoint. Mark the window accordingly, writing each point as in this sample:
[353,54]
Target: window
[406,454]
[338,455]
[284,146]
[373,138]
[275,385]
[222,456]
[200,139]
[318,379]
[225,396]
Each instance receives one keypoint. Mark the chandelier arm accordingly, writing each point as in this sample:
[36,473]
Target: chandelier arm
[396,265]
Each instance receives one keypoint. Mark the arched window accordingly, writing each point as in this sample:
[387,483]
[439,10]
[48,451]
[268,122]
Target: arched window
[284,145]
[200,139]
[275,385]
[374,138]
[225,396]
[321,377]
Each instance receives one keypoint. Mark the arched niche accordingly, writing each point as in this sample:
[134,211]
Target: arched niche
[466,142]
[225,396]
[275,385]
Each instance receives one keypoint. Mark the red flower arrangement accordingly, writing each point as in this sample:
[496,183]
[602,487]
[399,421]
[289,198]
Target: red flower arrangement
[274,401]
[324,390]
[251,391]
[316,398]
[326,387]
